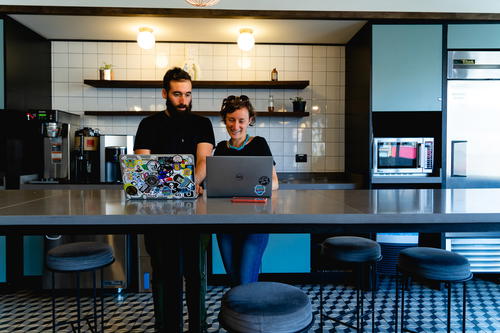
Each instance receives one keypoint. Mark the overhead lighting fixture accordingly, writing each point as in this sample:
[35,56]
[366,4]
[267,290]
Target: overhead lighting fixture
[246,39]
[202,3]
[146,38]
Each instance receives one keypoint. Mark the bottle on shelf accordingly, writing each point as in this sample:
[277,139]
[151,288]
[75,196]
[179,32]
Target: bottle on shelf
[270,105]
[274,75]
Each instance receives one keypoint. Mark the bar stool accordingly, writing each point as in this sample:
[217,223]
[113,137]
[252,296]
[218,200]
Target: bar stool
[79,257]
[356,252]
[434,265]
[266,307]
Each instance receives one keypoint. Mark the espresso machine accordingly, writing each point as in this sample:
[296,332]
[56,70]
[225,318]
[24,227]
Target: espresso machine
[86,156]
[57,130]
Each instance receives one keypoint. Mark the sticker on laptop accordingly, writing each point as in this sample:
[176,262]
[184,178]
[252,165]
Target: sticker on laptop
[260,189]
[264,180]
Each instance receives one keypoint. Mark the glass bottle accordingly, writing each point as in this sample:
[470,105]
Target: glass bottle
[270,105]
[274,75]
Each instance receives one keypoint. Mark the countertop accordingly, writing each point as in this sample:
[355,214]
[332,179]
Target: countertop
[288,211]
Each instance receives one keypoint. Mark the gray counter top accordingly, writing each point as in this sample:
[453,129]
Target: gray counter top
[288,210]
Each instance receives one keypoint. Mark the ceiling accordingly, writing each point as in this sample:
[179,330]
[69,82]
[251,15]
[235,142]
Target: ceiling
[117,28]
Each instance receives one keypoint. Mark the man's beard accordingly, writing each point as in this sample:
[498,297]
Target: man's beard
[173,111]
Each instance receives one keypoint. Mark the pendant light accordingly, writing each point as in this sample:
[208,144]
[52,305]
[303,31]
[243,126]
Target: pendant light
[202,3]
[246,39]
[146,38]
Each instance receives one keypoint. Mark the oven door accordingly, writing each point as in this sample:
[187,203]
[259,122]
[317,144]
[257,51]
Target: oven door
[397,155]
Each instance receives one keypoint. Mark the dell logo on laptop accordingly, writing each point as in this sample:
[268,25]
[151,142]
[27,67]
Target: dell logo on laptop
[239,176]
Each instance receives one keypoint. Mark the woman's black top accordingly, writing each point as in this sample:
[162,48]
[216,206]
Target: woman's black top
[257,147]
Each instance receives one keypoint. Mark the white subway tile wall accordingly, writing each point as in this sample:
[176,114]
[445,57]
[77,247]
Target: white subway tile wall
[320,136]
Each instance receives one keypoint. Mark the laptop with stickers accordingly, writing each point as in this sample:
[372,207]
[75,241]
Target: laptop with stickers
[239,176]
[159,176]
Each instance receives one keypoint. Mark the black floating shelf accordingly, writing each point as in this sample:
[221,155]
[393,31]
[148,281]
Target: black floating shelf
[199,84]
[201,113]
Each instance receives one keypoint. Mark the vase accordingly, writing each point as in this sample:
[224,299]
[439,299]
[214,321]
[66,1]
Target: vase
[299,106]
[105,74]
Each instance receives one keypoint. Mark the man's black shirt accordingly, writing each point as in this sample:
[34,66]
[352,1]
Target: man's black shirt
[173,135]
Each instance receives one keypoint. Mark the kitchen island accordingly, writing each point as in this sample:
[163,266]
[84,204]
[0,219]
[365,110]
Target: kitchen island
[314,211]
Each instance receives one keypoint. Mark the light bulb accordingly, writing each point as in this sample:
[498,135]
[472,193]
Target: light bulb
[246,40]
[145,38]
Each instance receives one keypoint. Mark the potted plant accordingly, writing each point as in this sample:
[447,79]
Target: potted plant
[106,72]
[299,105]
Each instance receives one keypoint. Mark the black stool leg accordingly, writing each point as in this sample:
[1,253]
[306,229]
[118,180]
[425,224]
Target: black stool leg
[78,300]
[357,301]
[361,286]
[95,299]
[464,307]
[321,281]
[448,317]
[53,303]
[102,300]
[396,316]
[403,285]
[374,285]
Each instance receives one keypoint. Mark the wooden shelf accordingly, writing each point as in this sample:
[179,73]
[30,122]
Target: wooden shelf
[199,84]
[201,113]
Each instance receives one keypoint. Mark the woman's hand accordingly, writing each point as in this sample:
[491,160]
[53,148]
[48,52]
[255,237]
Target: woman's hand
[199,189]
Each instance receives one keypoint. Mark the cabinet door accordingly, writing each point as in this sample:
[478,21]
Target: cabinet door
[474,36]
[3,259]
[407,68]
[287,253]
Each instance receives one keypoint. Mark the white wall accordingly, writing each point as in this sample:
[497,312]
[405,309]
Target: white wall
[320,136]
[478,6]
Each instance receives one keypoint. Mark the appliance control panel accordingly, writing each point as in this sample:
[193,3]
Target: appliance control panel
[428,156]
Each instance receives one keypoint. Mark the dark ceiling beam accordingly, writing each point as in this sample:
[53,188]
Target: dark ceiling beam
[235,14]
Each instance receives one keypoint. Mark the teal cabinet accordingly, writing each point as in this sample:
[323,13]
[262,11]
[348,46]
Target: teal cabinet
[285,253]
[33,254]
[3,259]
[407,67]
[474,36]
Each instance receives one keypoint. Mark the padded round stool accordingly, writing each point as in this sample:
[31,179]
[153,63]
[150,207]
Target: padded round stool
[266,307]
[435,265]
[79,257]
[358,252]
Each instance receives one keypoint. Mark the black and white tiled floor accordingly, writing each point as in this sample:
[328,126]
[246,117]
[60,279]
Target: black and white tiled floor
[131,313]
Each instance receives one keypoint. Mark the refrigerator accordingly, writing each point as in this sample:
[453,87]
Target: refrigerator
[473,144]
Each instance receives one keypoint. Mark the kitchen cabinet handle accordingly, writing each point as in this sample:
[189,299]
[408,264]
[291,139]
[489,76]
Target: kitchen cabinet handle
[458,158]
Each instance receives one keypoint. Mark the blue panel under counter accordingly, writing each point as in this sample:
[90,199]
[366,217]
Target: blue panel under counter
[33,262]
[285,253]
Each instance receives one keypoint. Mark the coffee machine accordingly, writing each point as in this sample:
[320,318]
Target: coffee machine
[57,130]
[86,156]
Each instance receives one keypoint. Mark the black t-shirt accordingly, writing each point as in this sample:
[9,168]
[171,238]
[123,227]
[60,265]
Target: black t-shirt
[173,135]
[257,147]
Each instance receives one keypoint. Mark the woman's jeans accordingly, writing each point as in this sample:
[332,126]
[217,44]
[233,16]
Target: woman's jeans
[242,255]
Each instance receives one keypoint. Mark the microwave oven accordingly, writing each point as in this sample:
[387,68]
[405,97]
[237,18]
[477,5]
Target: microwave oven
[403,156]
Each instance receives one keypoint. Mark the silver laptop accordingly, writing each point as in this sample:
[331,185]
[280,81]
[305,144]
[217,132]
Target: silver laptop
[158,176]
[239,176]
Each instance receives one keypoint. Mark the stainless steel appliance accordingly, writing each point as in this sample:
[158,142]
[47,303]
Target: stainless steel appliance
[473,144]
[86,155]
[107,164]
[57,129]
[115,276]
[397,156]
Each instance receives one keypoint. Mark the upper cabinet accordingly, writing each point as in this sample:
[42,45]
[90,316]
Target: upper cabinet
[474,36]
[407,67]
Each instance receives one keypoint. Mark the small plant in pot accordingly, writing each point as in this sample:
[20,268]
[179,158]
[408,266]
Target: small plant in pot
[299,105]
[106,72]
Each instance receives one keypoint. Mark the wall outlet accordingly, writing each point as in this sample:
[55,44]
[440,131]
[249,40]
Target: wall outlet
[301,158]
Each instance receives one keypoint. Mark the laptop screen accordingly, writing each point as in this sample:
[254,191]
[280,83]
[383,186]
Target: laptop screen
[239,176]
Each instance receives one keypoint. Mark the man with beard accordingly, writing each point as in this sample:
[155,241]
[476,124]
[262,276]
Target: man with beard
[177,131]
